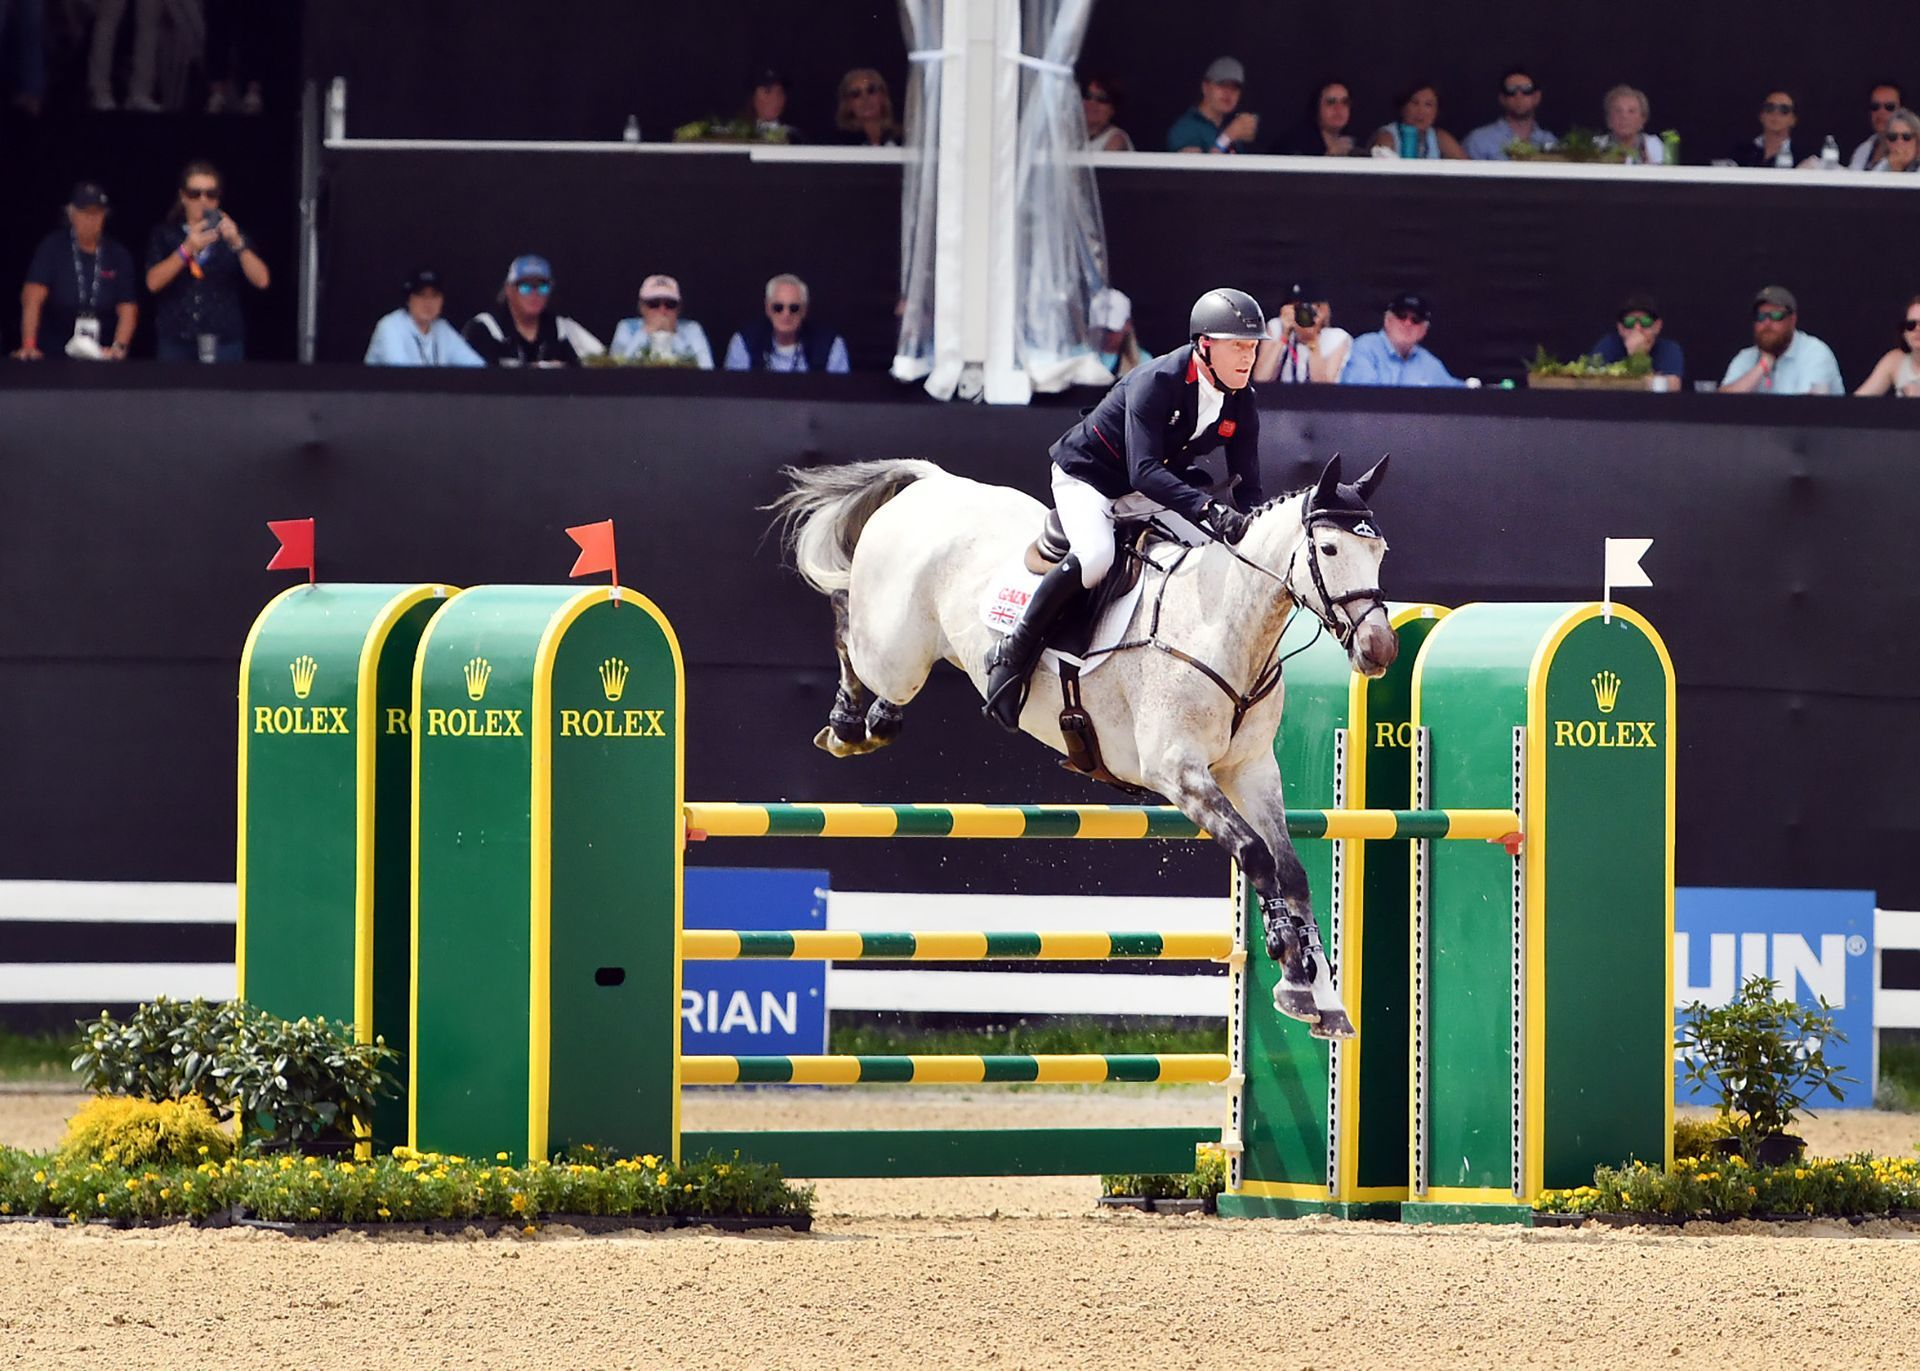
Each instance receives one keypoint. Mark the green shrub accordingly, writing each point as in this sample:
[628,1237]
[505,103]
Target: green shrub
[1764,1057]
[1700,1137]
[140,1133]
[1731,1187]
[1207,1179]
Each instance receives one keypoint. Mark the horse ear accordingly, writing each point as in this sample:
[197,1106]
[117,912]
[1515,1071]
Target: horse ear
[1370,482]
[1327,490]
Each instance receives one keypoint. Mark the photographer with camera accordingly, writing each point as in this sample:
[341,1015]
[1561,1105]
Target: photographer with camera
[79,278]
[1302,345]
[196,259]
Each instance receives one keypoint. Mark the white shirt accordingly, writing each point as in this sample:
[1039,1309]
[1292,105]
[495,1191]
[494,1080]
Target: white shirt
[1858,162]
[1211,399]
[1295,360]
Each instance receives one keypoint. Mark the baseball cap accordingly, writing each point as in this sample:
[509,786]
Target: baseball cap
[658,285]
[769,76]
[1109,309]
[89,195]
[529,267]
[1637,302]
[1307,290]
[1226,69]
[1779,297]
[1412,302]
[426,278]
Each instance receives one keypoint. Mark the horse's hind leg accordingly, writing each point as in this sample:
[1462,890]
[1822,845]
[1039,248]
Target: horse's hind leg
[847,732]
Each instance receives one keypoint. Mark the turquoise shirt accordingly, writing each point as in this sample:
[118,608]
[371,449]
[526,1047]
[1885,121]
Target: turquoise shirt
[1194,130]
[1806,363]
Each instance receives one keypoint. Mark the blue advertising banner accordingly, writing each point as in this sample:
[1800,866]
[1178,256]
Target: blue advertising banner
[1812,944]
[754,1007]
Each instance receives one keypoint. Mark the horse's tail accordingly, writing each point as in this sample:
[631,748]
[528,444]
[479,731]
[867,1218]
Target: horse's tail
[825,508]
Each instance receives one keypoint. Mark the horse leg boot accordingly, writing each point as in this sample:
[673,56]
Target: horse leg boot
[1013,658]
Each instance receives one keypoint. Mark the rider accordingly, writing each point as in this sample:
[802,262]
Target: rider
[1131,457]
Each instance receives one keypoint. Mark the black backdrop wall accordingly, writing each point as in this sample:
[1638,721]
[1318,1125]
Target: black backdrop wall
[1782,586]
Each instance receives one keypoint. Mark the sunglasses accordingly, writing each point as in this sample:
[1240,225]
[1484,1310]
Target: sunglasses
[1528,89]
[659,302]
[1911,325]
[1775,107]
[1771,316]
[1336,99]
[1899,135]
[534,287]
[1888,105]
[1097,97]
[781,307]
[201,192]
[1639,320]
[855,92]
[1409,316]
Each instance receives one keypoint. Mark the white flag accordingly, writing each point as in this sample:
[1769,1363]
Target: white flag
[1623,561]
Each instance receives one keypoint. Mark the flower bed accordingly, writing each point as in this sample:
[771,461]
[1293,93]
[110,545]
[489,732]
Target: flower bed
[1729,1187]
[1169,1192]
[406,1188]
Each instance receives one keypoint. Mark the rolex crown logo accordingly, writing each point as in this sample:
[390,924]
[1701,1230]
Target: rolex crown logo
[1606,691]
[478,671]
[304,669]
[613,678]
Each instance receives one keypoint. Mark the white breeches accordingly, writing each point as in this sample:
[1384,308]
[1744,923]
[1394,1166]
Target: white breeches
[1089,518]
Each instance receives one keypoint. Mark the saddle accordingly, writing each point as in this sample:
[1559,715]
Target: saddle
[1073,634]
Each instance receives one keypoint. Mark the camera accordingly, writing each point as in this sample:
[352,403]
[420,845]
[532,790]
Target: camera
[1303,314]
[212,219]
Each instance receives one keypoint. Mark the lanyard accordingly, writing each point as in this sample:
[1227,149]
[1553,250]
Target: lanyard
[1298,370]
[86,299]
[428,354]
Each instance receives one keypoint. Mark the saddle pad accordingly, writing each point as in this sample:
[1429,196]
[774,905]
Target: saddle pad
[1007,596]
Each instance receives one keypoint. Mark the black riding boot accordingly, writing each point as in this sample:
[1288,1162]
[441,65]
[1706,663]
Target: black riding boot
[1012,660]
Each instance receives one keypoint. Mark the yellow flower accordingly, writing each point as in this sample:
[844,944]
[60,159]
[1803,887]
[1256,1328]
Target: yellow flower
[39,1178]
[529,1230]
[500,1156]
[203,1150]
[186,1187]
[166,1194]
[346,1168]
[314,1210]
[519,1204]
[100,1198]
[133,1184]
[649,1161]
[384,1212]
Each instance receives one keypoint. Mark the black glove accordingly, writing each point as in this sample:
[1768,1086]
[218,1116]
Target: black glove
[1226,523]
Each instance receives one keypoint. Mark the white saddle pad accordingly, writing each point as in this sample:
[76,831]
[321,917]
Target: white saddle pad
[1007,596]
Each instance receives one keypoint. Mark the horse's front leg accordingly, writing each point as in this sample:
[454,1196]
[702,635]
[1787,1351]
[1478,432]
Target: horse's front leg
[1306,989]
[1279,882]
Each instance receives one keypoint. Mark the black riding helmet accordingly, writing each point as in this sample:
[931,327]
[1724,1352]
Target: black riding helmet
[1224,313]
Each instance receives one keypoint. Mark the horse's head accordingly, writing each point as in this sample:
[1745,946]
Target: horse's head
[1334,567]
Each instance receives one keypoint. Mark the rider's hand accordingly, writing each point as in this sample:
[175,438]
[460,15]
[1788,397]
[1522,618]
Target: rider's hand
[1227,523]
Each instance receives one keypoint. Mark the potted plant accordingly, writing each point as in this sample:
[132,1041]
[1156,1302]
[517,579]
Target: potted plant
[1546,372]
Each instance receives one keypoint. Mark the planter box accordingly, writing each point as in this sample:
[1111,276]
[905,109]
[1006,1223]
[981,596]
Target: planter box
[1167,1206]
[1589,382]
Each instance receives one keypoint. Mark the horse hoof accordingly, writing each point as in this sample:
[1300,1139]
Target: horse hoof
[828,742]
[884,721]
[1296,1002]
[1333,1023]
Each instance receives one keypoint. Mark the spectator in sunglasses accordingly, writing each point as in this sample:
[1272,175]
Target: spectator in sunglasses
[1898,372]
[1394,355]
[1519,99]
[1902,138]
[1100,99]
[197,258]
[1213,125]
[1636,332]
[1414,134]
[786,340]
[415,335]
[865,116]
[78,299]
[1627,111]
[659,335]
[1773,145]
[766,110]
[1882,101]
[1326,130]
[525,333]
[1782,360]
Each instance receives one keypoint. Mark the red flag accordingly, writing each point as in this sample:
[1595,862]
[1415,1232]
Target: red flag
[596,550]
[296,546]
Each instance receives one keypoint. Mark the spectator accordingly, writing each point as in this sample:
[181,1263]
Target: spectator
[1519,99]
[1110,320]
[78,276]
[659,334]
[1896,373]
[1773,146]
[235,59]
[415,335]
[785,340]
[1414,134]
[196,259]
[1902,138]
[865,118]
[525,334]
[1100,100]
[1302,345]
[146,54]
[1782,360]
[1324,134]
[766,110]
[1884,99]
[1394,356]
[1636,332]
[23,53]
[1212,125]
[1627,111]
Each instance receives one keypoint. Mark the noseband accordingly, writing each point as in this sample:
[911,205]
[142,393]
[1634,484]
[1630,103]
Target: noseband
[1341,626]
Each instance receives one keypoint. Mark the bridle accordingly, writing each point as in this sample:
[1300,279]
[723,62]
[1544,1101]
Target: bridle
[1341,625]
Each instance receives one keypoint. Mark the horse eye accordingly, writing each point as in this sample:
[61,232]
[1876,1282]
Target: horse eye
[1329,549]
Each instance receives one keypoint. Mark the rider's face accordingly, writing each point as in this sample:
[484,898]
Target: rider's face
[1232,359]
